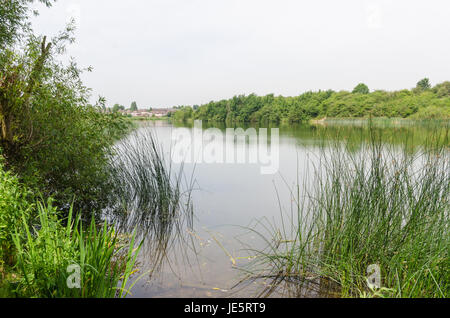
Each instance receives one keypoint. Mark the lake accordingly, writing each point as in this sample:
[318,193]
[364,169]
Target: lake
[234,202]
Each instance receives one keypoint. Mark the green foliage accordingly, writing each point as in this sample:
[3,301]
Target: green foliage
[13,204]
[442,90]
[46,251]
[133,106]
[361,103]
[14,19]
[361,89]
[183,114]
[51,136]
[59,145]
[432,112]
[117,107]
[423,85]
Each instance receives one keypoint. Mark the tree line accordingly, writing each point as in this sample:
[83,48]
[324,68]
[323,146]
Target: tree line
[423,101]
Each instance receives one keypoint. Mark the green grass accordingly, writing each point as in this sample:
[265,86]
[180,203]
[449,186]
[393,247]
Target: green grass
[13,203]
[380,205]
[45,251]
[37,245]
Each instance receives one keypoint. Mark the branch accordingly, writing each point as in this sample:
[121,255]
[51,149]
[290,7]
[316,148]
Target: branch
[34,78]
[38,66]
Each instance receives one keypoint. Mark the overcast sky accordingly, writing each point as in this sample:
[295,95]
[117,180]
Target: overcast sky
[182,52]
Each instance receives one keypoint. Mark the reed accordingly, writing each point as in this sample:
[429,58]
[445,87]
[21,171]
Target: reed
[380,205]
[150,194]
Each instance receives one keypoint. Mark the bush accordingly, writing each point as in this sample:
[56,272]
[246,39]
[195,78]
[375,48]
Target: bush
[432,112]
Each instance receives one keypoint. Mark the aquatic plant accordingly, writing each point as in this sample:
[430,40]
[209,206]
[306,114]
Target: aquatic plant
[149,194]
[380,205]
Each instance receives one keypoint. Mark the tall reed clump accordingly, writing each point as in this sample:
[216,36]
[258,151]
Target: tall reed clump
[379,205]
[45,252]
[149,194]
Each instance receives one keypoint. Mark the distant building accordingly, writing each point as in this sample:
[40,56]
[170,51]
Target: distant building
[141,113]
[159,112]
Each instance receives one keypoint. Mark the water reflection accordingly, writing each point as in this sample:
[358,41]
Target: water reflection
[150,197]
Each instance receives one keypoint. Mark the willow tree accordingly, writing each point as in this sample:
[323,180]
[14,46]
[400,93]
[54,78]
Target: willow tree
[49,133]
[18,78]
[17,87]
[14,20]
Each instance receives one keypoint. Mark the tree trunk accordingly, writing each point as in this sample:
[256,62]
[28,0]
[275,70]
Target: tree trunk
[7,136]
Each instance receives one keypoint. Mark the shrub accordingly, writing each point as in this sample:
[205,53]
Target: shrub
[432,112]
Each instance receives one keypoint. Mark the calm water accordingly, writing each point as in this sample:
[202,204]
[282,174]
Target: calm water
[230,199]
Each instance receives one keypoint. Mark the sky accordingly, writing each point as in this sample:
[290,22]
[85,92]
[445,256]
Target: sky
[163,53]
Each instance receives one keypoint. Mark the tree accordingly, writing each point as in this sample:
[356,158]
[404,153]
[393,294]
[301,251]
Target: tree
[183,113]
[14,22]
[134,107]
[423,85]
[17,87]
[361,89]
[49,134]
[117,107]
[19,75]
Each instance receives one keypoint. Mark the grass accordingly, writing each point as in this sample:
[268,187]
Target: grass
[37,245]
[45,252]
[14,202]
[378,206]
[149,193]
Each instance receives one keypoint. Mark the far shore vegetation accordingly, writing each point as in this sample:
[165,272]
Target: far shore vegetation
[422,102]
